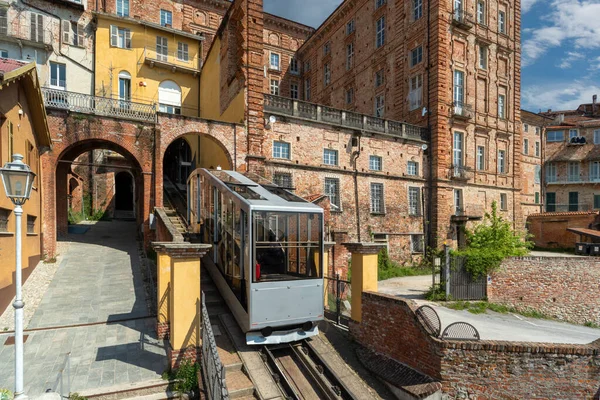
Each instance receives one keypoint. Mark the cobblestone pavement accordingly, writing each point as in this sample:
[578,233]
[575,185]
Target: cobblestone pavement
[99,284]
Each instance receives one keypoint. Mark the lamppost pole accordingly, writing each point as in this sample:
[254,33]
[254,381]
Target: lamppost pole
[18,306]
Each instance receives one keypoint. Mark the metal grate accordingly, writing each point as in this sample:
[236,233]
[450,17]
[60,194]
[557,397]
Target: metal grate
[460,331]
[430,320]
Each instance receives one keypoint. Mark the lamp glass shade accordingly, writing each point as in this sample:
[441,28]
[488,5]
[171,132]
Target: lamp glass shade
[17,179]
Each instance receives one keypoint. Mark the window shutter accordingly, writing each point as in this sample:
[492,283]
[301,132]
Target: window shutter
[114,36]
[80,35]
[33,27]
[127,39]
[66,32]
[40,28]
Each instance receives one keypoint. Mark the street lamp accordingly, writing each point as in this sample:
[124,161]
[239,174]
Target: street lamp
[17,179]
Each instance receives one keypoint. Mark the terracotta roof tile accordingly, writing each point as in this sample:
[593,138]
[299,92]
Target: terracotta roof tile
[8,64]
[563,214]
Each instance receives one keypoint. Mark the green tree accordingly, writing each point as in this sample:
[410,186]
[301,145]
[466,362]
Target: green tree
[492,241]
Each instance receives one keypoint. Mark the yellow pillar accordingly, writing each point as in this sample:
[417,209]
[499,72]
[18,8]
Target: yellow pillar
[364,273]
[163,286]
[326,247]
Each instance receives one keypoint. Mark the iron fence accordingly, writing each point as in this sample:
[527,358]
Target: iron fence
[85,103]
[338,295]
[461,285]
[213,370]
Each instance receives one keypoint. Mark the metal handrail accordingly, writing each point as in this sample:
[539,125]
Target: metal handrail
[171,57]
[566,207]
[85,103]
[212,367]
[336,116]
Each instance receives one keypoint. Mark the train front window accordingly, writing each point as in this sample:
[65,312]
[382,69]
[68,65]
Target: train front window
[287,246]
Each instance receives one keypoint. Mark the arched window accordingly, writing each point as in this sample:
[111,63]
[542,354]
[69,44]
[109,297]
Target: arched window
[124,86]
[169,97]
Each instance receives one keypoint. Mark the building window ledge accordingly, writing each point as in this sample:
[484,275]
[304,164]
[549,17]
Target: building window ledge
[32,234]
[381,214]
[7,234]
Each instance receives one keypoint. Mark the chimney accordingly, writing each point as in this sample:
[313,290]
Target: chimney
[594,98]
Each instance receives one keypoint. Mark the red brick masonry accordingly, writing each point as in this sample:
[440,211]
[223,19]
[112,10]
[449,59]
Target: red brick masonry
[565,288]
[484,369]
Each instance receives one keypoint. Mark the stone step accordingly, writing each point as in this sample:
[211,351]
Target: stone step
[158,388]
[159,396]
[238,384]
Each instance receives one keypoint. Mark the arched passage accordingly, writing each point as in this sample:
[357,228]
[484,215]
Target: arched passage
[124,193]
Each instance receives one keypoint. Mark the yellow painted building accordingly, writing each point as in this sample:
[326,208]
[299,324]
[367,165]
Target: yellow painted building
[147,63]
[23,130]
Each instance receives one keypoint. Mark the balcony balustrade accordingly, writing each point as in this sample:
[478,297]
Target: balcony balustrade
[461,173]
[171,60]
[470,212]
[462,19]
[556,207]
[462,110]
[338,117]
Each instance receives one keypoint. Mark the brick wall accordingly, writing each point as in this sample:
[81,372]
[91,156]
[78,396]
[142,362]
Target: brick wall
[549,230]
[565,288]
[483,369]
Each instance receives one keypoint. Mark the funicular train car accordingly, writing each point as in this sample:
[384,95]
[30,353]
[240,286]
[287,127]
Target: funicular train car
[267,254]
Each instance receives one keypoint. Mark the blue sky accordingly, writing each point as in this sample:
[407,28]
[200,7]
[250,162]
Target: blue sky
[560,47]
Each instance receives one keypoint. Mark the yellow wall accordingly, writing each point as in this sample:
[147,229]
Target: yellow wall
[112,60]
[210,92]
[31,243]
[207,153]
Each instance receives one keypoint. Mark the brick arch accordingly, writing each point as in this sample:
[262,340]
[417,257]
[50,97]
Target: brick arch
[206,135]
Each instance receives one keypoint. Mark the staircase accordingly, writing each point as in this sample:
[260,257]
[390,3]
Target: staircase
[175,205]
[174,217]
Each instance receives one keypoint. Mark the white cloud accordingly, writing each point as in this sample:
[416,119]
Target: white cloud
[572,56]
[558,95]
[571,23]
[527,4]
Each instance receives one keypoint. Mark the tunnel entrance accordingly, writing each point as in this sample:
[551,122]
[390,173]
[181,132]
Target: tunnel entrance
[124,195]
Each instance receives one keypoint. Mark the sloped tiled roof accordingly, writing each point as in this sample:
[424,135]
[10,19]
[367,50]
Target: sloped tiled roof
[8,65]
[562,214]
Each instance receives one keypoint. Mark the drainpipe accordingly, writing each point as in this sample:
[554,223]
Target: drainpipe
[427,226]
[234,147]
[355,156]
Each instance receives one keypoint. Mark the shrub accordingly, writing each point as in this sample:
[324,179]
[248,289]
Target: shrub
[186,377]
[6,394]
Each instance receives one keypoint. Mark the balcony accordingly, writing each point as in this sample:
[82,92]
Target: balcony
[556,207]
[462,111]
[173,61]
[467,213]
[84,103]
[573,179]
[461,173]
[20,32]
[333,116]
[462,19]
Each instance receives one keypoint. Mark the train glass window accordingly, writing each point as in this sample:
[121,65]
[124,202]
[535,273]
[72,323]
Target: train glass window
[287,246]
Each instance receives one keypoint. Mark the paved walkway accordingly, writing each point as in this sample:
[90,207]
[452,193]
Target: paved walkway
[98,294]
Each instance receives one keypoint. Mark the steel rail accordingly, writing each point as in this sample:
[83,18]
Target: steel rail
[280,376]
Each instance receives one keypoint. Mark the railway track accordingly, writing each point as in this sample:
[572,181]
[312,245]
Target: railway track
[302,374]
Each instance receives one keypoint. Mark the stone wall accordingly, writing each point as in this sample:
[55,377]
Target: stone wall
[565,288]
[484,369]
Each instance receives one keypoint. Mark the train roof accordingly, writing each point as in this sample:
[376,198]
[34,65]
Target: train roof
[259,192]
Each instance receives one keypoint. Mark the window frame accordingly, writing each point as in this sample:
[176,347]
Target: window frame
[412,168]
[574,171]
[380,105]
[287,177]
[480,158]
[294,91]
[596,136]
[122,12]
[278,147]
[330,155]
[326,74]
[183,52]
[503,202]
[349,56]
[274,87]
[118,35]
[554,137]
[416,56]
[166,18]
[551,173]
[377,204]
[275,66]
[349,94]
[328,181]
[502,114]
[375,163]
[350,28]
[417,246]
[415,92]
[502,162]
[501,22]
[4,19]
[417,9]
[414,210]
[483,57]
[380,3]
[380,32]
[307,89]
[481,16]
[294,66]
[537,149]
[526,146]
[379,77]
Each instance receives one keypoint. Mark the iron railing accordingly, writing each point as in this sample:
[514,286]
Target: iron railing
[462,18]
[462,110]
[469,211]
[339,296]
[85,103]
[335,116]
[572,179]
[213,370]
[555,207]
[173,58]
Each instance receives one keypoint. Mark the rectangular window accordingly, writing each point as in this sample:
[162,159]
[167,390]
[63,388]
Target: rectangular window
[77,32]
[551,173]
[595,171]
[573,201]
[459,90]
[307,89]
[457,150]
[501,161]
[550,202]
[597,136]
[555,136]
[162,48]
[417,9]
[58,75]
[501,106]
[306,66]
[123,8]
[458,202]
[332,190]
[379,3]
[37,27]
[416,56]
[537,175]
[480,158]
[537,130]
[537,149]
[274,87]
[573,172]
[326,48]
[4,214]
[415,96]
[274,61]
[414,201]
[375,163]
[525,128]
[166,18]
[526,146]
[379,78]
[349,56]
[350,96]
[379,105]
[481,12]
[350,27]
[412,168]
[294,91]
[294,66]
[4,21]
[326,74]
[120,37]
[596,201]
[330,157]
[4,53]
[483,56]
[380,32]
[503,202]
[281,150]
[377,203]
[416,243]
[31,223]
[182,51]
[283,179]
[536,197]
[501,22]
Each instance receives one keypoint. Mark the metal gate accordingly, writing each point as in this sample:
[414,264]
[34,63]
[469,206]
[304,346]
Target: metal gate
[461,285]
[338,297]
